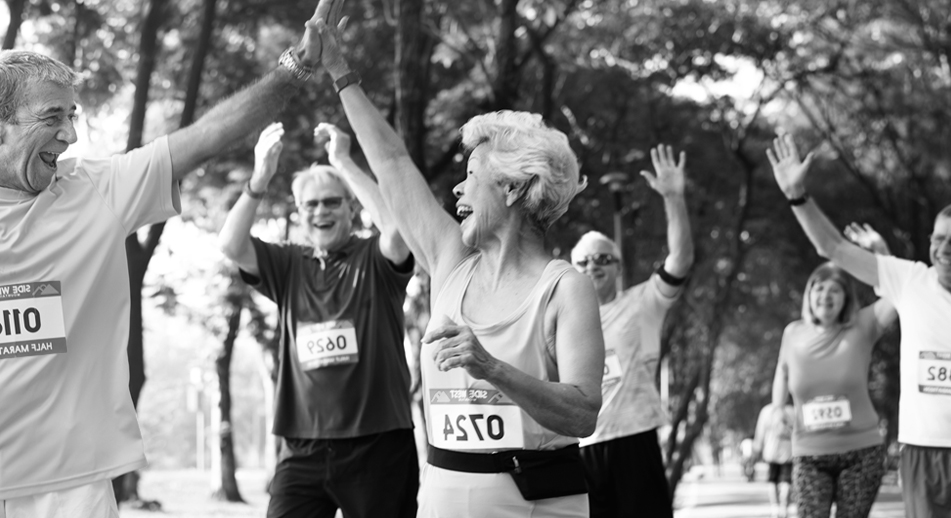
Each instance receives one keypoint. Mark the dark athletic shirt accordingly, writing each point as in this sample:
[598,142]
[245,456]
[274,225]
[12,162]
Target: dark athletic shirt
[357,284]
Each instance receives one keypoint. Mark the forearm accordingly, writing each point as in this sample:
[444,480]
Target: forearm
[679,238]
[234,239]
[366,190]
[560,407]
[231,120]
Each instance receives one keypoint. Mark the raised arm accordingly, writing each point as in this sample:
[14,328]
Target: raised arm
[250,108]
[790,173]
[669,182]
[366,190]
[234,239]
[866,237]
[568,406]
[429,229]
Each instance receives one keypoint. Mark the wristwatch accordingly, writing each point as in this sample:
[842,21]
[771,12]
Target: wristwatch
[350,78]
[291,62]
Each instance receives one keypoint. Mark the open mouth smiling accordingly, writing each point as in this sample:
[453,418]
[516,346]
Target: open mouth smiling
[463,211]
[49,159]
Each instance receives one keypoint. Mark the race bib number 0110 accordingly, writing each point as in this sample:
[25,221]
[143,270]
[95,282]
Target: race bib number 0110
[474,419]
[326,343]
[934,372]
[826,412]
[31,319]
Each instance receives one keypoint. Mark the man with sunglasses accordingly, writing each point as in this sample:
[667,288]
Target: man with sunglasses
[342,399]
[623,460]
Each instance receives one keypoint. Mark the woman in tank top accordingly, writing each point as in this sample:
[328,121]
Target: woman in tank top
[838,451]
[513,356]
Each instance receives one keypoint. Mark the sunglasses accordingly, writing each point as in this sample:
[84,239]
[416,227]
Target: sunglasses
[333,202]
[596,259]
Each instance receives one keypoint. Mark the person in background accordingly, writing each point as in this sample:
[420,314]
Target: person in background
[623,462]
[772,443]
[342,400]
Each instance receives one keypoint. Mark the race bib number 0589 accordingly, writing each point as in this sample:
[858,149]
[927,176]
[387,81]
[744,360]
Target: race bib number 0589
[31,319]
[474,419]
[934,372]
[326,343]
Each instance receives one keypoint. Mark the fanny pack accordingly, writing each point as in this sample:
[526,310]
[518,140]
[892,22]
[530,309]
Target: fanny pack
[538,474]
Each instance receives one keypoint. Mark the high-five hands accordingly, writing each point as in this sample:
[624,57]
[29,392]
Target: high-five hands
[312,49]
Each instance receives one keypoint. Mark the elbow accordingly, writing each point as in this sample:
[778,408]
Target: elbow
[586,419]
[229,247]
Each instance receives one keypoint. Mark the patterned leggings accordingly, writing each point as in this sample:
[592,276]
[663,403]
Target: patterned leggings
[849,479]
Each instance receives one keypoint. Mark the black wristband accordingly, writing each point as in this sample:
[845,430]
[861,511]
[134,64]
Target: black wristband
[668,278]
[350,78]
[252,193]
[795,202]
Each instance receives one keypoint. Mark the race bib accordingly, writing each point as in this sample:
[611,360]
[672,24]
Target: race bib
[826,412]
[474,419]
[934,372]
[612,371]
[31,319]
[326,343]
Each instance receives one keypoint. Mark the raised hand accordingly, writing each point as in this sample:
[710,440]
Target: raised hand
[336,142]
[329,28]
[266,152]
[669,179]
[866,237]
[790,172]
[459,347]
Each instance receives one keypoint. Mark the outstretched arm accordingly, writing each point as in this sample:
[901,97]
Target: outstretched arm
[866,237]
[366,190]
[247,110]
[424,224]
[669,182]
[234,240]
[790,174]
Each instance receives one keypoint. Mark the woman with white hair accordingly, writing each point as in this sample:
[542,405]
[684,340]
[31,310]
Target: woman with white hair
[513,355]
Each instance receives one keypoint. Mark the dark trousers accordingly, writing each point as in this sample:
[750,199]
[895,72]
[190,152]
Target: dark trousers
[626,478]
[372,476]
[926,481]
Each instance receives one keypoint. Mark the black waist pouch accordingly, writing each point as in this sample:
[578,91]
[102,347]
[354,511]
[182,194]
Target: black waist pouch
[538,474]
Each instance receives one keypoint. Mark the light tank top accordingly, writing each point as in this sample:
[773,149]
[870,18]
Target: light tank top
[466,414]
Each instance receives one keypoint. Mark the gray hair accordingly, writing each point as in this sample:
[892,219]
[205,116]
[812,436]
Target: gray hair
[525,151]
[591,237]
[20,70]
[315,173]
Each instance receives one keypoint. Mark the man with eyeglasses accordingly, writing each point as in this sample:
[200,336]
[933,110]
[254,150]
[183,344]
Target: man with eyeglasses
[342,400]
[623,460]
[922,296]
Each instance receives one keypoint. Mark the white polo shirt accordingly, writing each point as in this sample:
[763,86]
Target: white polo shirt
[66,416]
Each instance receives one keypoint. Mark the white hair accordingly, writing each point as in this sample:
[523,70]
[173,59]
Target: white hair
[525,151]
[313,174]
[589,239]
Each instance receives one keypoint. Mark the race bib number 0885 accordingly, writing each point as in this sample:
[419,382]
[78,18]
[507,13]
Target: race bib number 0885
[31,319]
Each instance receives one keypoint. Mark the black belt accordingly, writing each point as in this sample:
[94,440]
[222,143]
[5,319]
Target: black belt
[498,462]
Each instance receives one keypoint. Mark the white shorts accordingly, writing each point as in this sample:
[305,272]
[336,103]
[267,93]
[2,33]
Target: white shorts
[94,500]
[450,494]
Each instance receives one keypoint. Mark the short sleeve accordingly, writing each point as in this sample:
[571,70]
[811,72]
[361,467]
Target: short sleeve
[893,275]
[275,263]
[136,186]
[395,280]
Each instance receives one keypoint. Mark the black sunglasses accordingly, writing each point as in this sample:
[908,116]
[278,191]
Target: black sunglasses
[597,259]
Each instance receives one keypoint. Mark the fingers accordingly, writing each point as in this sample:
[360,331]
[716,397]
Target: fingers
[773,161]
[342,26]
[324,8]
[335,9]
[441,333]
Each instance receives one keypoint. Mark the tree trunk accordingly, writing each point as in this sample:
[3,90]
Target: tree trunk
[414,49]
[17,7]
[505,88]
[228,490]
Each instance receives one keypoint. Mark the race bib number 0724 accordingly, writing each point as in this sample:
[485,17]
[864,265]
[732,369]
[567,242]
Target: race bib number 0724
[31,319]
[474,419]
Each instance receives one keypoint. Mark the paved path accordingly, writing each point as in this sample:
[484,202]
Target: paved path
[705,495]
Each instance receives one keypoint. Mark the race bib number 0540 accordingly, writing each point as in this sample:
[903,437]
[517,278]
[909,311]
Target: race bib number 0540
[474,419]
[326,343]
[31,319]
[934,372]
[826,412]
